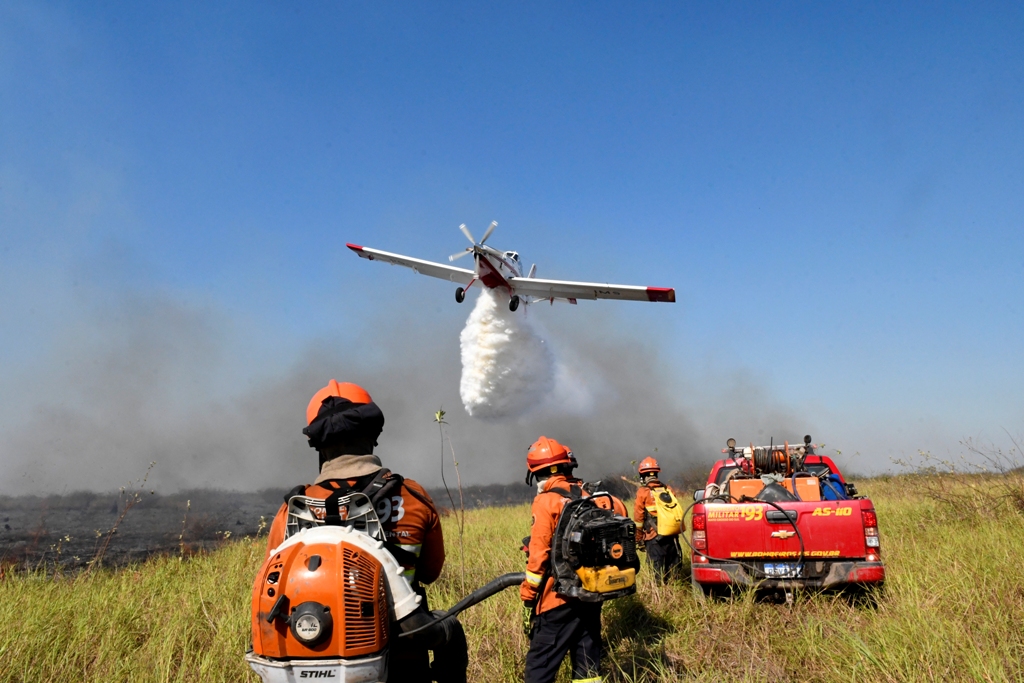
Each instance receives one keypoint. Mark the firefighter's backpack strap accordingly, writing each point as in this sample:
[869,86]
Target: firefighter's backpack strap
[386,483]
[574,492]
[332,504]
[397,481]
[341,488]
[382,484]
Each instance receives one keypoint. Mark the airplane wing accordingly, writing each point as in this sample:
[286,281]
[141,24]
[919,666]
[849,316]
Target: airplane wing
[438,270]
[562,289]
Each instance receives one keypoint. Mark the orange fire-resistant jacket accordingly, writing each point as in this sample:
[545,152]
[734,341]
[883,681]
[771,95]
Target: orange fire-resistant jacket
[410,521]
[547,505]
[645,513]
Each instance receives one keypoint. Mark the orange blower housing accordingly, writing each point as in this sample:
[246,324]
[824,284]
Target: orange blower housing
[357,623]
[322,607]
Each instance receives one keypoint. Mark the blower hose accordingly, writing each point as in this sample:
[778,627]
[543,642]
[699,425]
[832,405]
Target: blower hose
[479,595]
[744,499]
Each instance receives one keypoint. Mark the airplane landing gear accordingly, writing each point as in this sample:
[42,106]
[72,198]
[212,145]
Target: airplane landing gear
[513,303]
[460,294]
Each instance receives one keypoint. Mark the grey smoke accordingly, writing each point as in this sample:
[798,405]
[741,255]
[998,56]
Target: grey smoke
[152,379]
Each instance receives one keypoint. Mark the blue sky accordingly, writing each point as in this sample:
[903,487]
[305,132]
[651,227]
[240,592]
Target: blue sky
[836,193]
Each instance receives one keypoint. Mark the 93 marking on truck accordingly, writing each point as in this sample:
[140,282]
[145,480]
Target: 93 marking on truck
[748,513]
[832,512]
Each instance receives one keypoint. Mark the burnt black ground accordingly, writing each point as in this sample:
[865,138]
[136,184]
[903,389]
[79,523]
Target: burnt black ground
[70,529]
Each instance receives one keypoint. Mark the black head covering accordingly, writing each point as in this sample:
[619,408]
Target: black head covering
[339,421]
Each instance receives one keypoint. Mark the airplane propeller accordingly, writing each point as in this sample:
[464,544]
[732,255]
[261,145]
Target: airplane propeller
[490,229]
[476,245]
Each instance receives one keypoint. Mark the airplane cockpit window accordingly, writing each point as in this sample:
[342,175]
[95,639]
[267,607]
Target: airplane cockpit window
[512,255]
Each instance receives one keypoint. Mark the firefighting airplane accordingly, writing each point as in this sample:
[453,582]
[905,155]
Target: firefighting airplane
[501,270]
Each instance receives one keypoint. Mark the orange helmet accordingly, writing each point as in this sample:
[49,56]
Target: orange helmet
[547,452]
[346,390]
[649,466]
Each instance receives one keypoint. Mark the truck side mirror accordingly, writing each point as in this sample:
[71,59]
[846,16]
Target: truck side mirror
[698,495]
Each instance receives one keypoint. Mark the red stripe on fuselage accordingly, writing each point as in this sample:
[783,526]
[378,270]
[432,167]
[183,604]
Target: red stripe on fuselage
[490,276]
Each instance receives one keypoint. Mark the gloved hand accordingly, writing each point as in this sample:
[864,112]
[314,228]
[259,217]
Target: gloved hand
[640,541]
[528,615]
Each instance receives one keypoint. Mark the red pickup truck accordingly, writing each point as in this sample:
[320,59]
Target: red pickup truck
[782,518]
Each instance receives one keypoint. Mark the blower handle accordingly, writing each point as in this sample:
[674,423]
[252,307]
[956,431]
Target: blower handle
[479,595]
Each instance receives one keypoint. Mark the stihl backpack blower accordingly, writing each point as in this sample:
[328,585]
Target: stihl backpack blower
[330,599]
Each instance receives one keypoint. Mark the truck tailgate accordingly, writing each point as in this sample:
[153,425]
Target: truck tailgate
[830,529]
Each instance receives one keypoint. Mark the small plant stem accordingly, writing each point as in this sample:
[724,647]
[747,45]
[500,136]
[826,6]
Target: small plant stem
[181,536]
[439,419]
[462,511]
[131,498]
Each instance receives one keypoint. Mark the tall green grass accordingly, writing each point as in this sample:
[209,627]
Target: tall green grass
[952,609]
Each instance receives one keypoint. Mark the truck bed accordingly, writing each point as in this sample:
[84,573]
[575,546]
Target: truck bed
[756,543]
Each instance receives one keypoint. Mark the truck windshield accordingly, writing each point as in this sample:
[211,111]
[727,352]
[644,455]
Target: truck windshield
[723,473]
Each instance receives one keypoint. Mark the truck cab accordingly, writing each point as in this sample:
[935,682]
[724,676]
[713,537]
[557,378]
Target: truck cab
[782,518]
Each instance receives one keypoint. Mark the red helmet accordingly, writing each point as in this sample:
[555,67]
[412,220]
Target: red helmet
[547,452]
[352,392]
[649,466]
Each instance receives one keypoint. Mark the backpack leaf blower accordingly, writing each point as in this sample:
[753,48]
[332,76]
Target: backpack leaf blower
[593,554]
[328,601]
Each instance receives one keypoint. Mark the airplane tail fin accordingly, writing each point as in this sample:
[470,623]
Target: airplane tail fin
[533,270]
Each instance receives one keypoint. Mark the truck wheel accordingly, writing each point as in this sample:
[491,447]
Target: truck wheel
[460,294]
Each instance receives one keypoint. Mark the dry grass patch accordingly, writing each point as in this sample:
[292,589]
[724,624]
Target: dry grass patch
[951,610]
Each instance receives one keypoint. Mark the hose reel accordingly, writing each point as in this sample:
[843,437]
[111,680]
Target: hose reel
[784,459]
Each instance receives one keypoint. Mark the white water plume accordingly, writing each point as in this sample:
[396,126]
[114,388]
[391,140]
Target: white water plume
[507,368]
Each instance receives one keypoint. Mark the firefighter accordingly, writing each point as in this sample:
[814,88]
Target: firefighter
[662,551]
[343,424]
[558,624]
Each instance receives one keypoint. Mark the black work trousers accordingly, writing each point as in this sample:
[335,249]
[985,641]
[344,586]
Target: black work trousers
[409,659]
[574,628]
[411,664]
[663,554]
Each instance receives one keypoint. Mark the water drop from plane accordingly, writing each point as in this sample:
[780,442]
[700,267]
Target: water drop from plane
[507,368]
